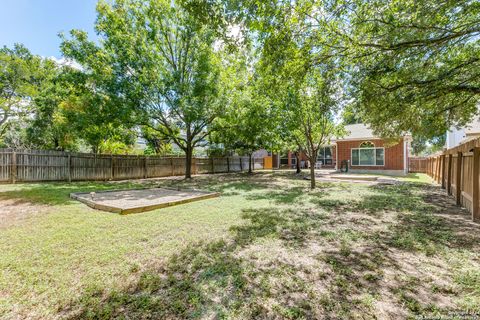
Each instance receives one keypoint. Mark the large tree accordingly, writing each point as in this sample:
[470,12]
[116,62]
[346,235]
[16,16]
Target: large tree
[306,90]
[19,74]
[246,124]
[161,60]
[414,65]
[311,107]
[49,128]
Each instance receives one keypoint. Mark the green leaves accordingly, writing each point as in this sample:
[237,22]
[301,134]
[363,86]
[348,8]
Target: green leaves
[20,71]
[414,64]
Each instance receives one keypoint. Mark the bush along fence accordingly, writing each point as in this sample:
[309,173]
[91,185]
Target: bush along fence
[40,165]
[458,171]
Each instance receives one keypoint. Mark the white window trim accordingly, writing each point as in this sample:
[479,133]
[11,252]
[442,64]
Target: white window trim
[367,165]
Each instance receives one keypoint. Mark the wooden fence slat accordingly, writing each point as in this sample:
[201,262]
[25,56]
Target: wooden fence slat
[458,181]
[38,165]
[475,188]
[449,174]
[13,170]
[458,171]
[442,173]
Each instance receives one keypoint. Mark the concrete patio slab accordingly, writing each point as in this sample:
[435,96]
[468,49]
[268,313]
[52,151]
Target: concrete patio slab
[140,200]
[354,177]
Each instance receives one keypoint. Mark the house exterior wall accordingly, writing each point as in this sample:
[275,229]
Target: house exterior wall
[455,137]
[303,157]
[394,155]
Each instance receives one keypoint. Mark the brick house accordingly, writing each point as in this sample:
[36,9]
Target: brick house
[364,152]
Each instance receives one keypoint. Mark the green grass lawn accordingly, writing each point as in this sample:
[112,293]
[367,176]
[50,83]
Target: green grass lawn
[267,248]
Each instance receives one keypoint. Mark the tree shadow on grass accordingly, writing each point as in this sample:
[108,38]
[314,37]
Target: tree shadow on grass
[202,279]
[208,279]
[291,226]
[214,280]
[427,219]
[286,196]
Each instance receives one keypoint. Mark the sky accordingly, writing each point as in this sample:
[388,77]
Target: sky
[36,23]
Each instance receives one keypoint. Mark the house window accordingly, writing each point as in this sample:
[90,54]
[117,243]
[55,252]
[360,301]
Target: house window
[284,159]
[325,155]
[368,155]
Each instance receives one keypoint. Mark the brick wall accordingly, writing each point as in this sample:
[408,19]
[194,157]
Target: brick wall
[291,155]
[393,154]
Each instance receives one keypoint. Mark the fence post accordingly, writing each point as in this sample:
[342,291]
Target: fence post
[476,177]
[449,175]
[69,164]
[432,174]
[145,172]
[213,166]
[458,180]
[13,168]
[241,164]
[437,169]
[172,166]
[112,167]
[228,164]
[442,175]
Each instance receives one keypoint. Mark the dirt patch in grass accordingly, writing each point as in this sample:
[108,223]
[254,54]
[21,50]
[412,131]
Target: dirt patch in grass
[14,212]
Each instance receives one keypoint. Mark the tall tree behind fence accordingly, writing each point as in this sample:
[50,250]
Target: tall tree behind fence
[458,171]
[40,165]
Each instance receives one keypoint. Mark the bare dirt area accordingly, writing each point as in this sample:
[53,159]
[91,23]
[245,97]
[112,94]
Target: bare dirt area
[14,212]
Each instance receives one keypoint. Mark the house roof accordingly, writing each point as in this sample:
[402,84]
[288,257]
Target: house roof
[361,131]
[357,131]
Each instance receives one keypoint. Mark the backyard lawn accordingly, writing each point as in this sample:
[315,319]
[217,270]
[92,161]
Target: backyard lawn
[267,248]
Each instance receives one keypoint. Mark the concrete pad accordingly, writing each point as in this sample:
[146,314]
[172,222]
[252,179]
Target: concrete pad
[354,177]
[140,200]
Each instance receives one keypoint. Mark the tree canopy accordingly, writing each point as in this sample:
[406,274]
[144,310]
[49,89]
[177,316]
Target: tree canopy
[414,65]
[160,62]
[196,72]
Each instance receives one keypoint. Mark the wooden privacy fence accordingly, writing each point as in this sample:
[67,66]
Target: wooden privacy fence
[40,165]
[417,164]
[458,171]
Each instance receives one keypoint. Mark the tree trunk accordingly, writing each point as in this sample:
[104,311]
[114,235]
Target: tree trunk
[250,163]
[312,160]
[297,157]
[188,161]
